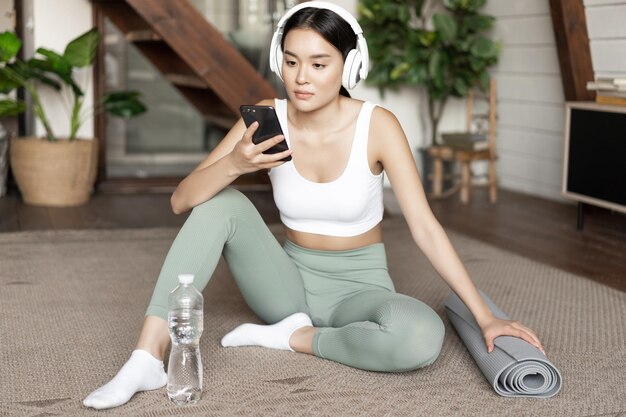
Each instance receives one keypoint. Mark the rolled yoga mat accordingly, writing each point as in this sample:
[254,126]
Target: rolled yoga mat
[515,368]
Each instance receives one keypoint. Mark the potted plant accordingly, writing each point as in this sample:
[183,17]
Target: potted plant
[56,171]
[445,52]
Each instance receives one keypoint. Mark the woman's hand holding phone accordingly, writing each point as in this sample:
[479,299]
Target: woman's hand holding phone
[249,157]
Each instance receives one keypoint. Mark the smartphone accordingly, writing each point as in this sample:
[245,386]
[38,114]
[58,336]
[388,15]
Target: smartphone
[269,126]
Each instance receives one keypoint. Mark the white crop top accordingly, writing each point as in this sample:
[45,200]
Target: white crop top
[348,206]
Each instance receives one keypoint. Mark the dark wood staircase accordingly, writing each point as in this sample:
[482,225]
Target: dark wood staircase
[192,55]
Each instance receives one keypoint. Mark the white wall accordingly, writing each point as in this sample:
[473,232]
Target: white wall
[56,23]
[530,98]
[7,15]
[607,36]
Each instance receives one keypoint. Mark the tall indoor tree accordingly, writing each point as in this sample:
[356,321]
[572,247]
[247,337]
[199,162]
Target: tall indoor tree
[441,45]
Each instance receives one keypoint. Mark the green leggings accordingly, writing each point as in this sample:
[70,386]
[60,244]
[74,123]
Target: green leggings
[349,295]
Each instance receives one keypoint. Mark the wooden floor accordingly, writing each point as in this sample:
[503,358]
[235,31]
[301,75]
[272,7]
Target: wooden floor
[532,227]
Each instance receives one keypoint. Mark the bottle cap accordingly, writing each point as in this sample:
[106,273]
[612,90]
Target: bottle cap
[185,278]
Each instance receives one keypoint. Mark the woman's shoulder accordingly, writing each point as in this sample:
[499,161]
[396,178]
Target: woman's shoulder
[379,113]
[383,118]
[385,128]
[353,106]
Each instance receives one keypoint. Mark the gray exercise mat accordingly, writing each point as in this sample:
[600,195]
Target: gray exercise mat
[515,368]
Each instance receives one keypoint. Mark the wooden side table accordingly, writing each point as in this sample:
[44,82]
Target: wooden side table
[464,158]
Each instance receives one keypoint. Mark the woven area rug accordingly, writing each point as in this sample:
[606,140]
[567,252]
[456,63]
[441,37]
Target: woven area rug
[72,304]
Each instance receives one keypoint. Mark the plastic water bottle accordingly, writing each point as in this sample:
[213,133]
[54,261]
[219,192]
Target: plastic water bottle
[184,371]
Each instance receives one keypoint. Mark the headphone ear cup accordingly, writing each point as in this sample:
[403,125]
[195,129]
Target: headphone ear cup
[352,65]
[278,62]
[276,55]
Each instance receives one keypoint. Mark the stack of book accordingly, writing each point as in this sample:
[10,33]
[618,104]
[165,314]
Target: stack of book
[466,141]
[609,90]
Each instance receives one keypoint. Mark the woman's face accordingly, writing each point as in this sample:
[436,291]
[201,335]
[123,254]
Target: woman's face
[311,69]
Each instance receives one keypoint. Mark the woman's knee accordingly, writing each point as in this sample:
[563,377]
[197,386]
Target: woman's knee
[225,203]
[417,339]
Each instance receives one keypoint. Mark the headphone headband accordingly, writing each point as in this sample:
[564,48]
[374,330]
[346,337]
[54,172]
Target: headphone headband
[360,55]
[343,13]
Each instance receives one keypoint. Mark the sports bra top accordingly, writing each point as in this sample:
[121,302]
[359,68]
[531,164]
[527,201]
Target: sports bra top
[347,206]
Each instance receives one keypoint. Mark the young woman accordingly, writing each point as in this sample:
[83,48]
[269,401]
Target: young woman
[327,291]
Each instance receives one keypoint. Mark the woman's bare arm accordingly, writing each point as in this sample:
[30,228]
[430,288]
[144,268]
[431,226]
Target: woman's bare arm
[391,147]
[235,155]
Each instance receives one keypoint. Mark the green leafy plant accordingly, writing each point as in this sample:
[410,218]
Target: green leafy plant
[53,70]
[446,52]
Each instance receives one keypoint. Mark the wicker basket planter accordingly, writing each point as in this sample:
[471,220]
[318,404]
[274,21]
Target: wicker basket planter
[55,174]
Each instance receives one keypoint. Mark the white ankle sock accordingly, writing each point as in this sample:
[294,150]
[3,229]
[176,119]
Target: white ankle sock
[274,336]
[141,372]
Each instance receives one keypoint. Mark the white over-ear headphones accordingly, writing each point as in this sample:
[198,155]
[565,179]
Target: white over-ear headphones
[356,65]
